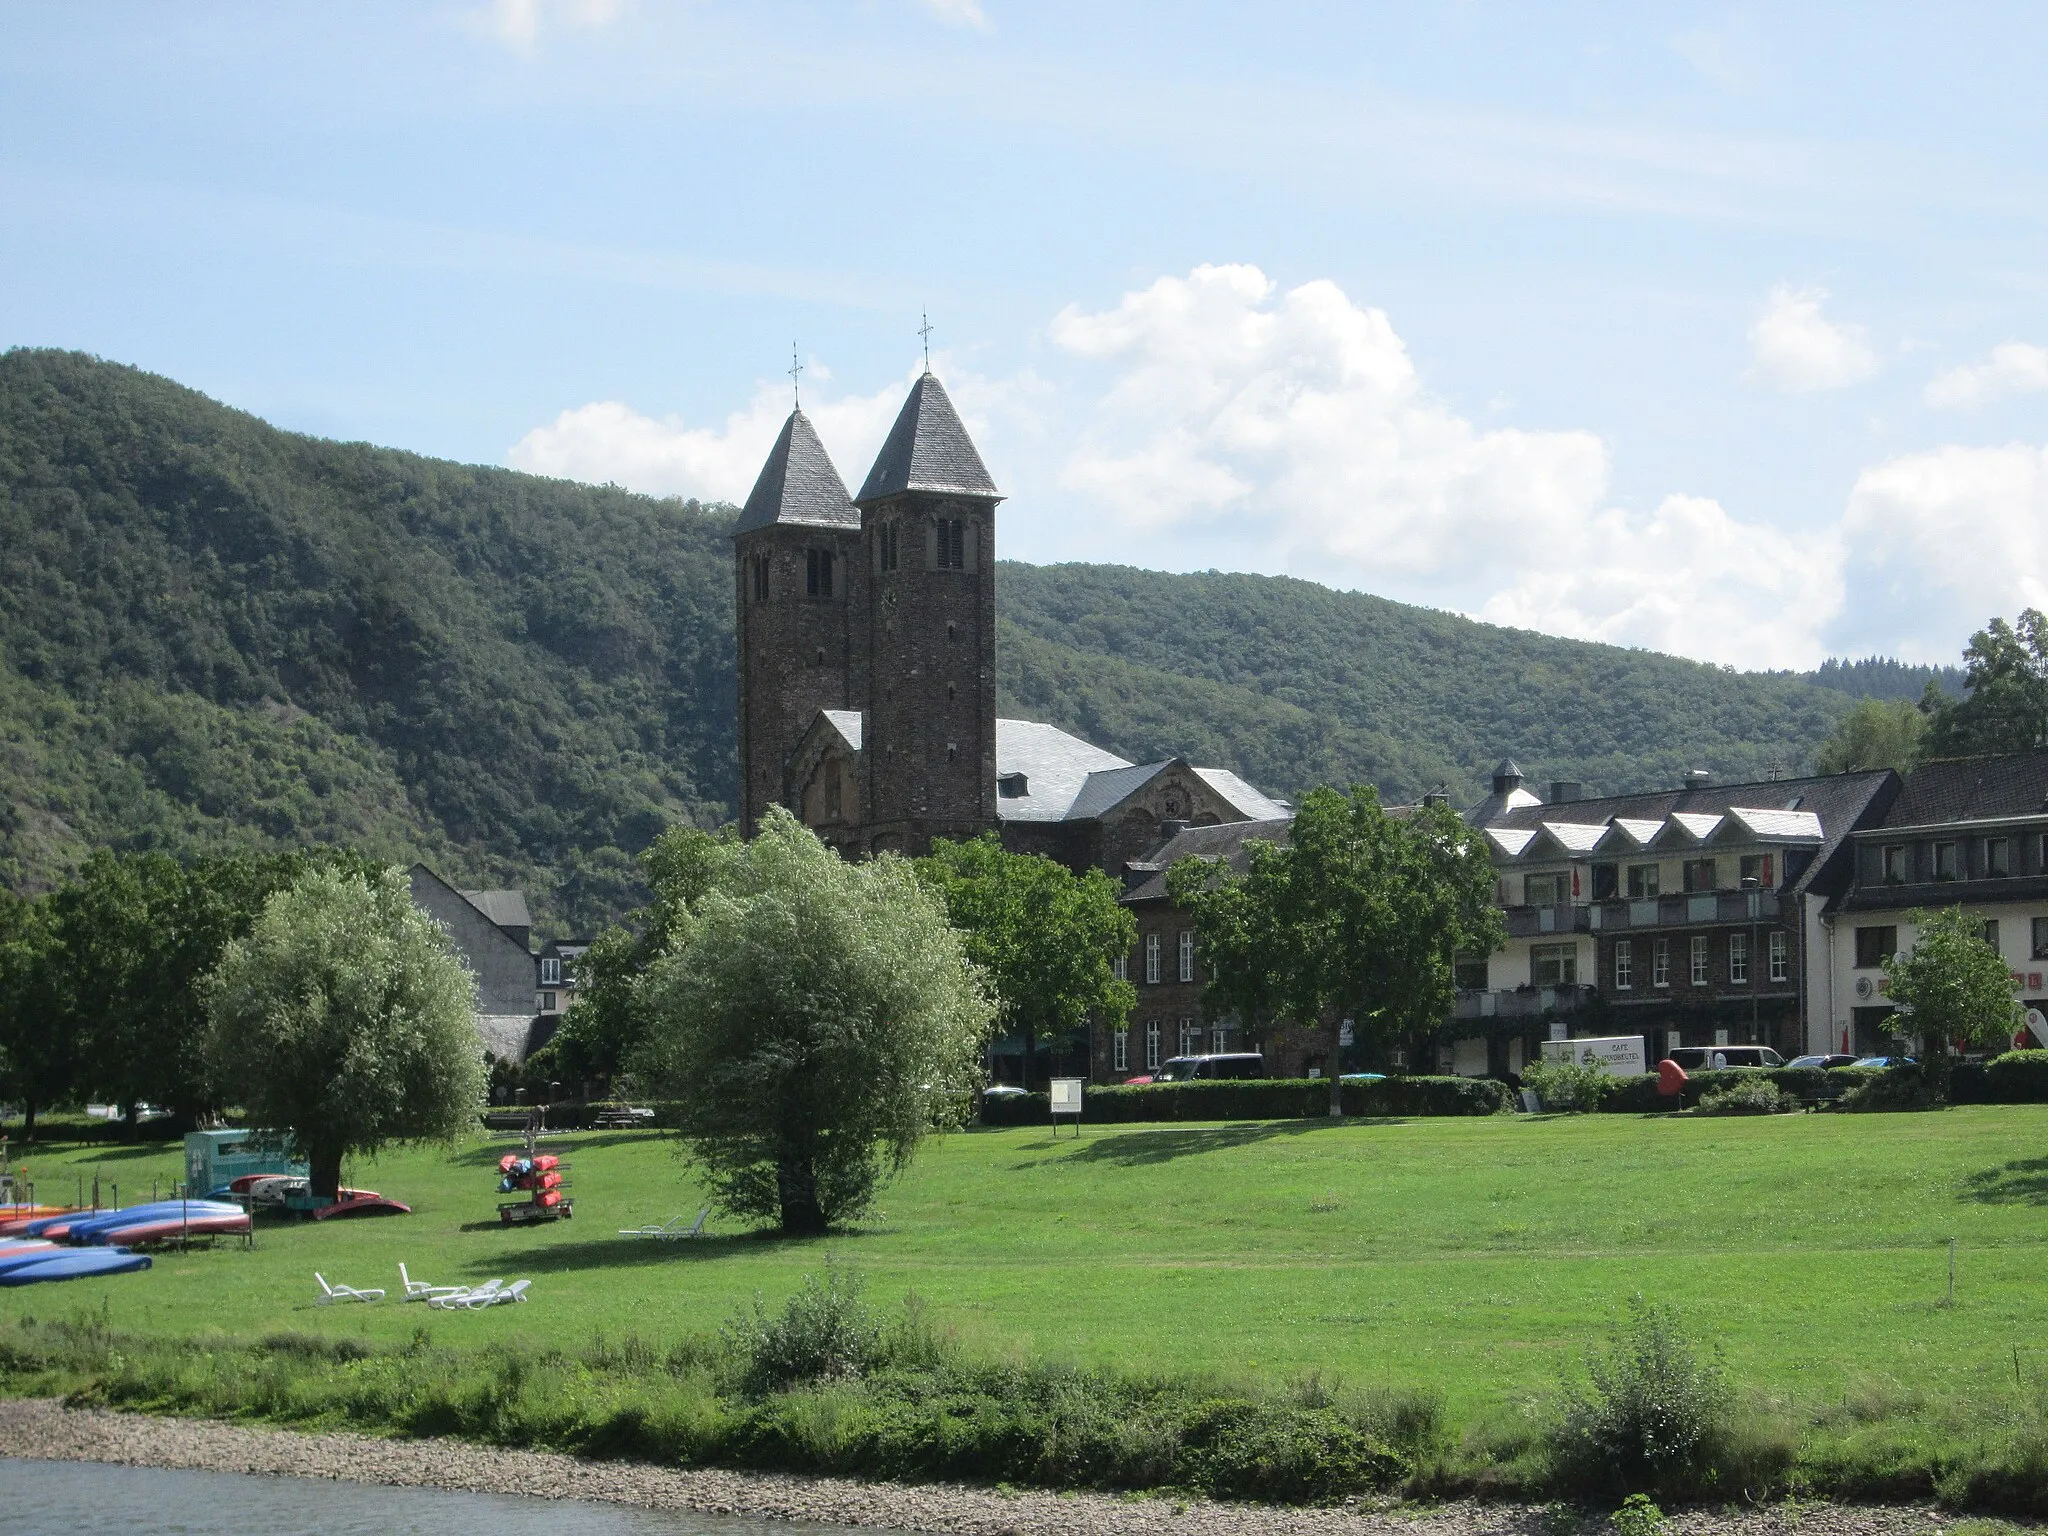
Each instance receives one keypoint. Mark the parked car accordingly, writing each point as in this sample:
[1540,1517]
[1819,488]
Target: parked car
[1884,1061]
[1209,1068]
[1711,1058]
[1836,1059]
[1002,1091]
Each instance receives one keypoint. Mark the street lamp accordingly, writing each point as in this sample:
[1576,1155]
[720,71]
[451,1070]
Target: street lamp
[1751,884]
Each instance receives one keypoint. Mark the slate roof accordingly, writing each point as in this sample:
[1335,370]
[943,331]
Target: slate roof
[1055,766]
[850,723]
[798,484]
[928,450]
[1225,842]
[1253,804]
[1826,806]
[505,908]
[1973,789]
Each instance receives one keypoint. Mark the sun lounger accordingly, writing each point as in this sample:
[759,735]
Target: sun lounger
[419,1290]
[334,1293]
[516,1291]
[672,1228]
[462,1297]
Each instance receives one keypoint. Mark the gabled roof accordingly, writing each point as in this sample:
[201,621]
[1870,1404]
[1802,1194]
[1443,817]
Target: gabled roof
[1576,836]
[1225,843]
[928,450]
[1776,824]
[1511,840]
[2010,784]
[798,484]
[1640,830]
[1700,824]
[505,908]
[1054,766]
[1251,803]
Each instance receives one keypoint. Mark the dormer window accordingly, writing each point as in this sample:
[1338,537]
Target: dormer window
[1997,858]
[1948,863]
[1013,786]
[550,971]
[1895,864]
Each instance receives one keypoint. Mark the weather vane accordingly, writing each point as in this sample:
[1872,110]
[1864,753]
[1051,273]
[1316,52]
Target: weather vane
[925,331]
[795,368]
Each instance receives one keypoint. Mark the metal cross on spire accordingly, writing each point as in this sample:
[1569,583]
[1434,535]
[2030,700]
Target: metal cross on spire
[795,368]
[925,330]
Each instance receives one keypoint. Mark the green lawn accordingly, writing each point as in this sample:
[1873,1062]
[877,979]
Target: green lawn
[1475,1255]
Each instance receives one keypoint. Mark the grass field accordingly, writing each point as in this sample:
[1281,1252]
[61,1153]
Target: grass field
[1479,1257]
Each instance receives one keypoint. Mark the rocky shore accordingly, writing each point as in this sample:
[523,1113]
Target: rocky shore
[47,1430]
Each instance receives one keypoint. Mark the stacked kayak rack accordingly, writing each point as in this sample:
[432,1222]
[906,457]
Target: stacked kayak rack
[538,1175]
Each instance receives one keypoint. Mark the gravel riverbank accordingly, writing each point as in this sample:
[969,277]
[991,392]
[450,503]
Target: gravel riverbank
[47,1430]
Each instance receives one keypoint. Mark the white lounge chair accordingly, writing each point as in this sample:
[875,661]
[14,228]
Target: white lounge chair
[334,1293]
[671,1229]
[516,1291]
[419,1290]
[462,1296]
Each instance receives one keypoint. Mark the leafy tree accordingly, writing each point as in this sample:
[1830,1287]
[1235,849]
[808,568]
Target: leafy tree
[38,1049]
[1045,937]
[815,1018]
[1358,916]
[346,1018]
[1876,733]
[2006,708]
[1953,989]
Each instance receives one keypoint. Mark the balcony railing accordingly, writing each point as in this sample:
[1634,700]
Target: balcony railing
[1525,921]
[1685,911]
[1521,1002]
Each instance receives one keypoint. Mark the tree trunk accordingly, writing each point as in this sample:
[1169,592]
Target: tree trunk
[1935,1070]
[1337,1069]
[28,1120]
[1030,1055]
[323,1166]
[797,1186]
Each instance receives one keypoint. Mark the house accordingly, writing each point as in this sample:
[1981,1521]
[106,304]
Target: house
[557,981]
[493,932]
[1691,916]
[1969,832]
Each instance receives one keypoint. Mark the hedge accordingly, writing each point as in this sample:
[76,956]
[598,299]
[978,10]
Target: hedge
[2017,1077]
[1291,1098]
[1639,1095]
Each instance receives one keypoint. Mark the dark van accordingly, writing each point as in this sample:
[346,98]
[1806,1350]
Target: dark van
[1188,1069]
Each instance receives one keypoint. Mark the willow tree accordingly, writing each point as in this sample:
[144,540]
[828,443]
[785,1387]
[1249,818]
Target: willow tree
[346,1017]
[814,1019]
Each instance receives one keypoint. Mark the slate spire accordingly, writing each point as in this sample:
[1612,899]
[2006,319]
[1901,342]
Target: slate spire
[798,484]
[928,450]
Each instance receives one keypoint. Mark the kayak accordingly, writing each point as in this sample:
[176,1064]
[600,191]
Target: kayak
[15,1219]
[158,1229]
[74,1264]
[81,1226]
[26,1245]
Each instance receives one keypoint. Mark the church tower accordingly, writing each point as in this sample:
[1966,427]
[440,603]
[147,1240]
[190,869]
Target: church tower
[927,524]
[799,586]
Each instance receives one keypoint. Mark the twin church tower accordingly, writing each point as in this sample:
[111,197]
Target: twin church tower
[867,689]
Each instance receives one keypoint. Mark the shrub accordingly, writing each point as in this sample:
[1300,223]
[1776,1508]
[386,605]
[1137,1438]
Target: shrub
[1754,1095]
[2017,1077]
[1567,1087]
[1638,1516]
[1650,1417]
[826,1332]
[1292,1098]
[1890,1089]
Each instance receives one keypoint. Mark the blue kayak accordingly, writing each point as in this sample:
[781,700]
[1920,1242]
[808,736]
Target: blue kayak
[74,1264]
[83,1228]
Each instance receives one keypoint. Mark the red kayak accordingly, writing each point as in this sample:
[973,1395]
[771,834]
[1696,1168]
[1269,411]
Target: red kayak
[161,1229]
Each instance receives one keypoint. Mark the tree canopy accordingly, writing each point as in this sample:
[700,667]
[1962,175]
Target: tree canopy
[1358,916]
[2006,707]
[815,1018]
[1952,989]
[1876,733]
[346,1017]
[1046,938]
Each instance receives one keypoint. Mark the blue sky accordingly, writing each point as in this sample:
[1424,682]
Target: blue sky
[1713,329]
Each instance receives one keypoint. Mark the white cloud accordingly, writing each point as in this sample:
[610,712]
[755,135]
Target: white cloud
[1949,537]
[1296,421]
[966,13]
[2014,367]
[517,23]
[609,441]
[1795,347]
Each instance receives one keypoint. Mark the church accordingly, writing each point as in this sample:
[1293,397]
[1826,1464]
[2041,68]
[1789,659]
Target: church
[867,697]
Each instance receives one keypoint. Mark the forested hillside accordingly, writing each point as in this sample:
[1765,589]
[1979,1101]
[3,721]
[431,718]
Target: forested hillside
[214,633]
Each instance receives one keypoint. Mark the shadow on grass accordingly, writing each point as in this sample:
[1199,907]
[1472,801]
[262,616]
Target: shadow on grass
[1140,1148]
[558,1145]
[2018,1183]
[645,1253]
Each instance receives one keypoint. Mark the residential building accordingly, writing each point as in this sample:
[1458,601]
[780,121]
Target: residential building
[1688,916]
[556,981]
[1969,832]
[493,932]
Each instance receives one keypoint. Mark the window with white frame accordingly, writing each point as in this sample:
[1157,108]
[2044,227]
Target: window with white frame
[1624,964]
[1120,967]
[1781,956]
[1660,963]
[1738,957]
[1120,1051]
[1699,959]
[1216,1033]
[1553,965]
[1190,1037]
[1152,959]
[1187,954]
[551,971]
[1152,1045]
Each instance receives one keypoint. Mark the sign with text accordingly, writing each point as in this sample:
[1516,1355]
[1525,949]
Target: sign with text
[1066,1095]
[1623,1055]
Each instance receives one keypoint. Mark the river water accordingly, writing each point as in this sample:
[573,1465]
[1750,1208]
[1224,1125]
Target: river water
[76,1498]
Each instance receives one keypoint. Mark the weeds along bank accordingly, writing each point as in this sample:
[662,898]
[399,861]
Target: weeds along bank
[829,1385]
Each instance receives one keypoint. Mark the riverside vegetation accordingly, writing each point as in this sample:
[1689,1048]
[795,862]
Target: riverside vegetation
[1298,1311]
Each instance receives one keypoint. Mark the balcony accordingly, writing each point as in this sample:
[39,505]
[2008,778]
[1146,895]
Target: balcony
[1521,1003]
[1683,911]
[1524,922]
